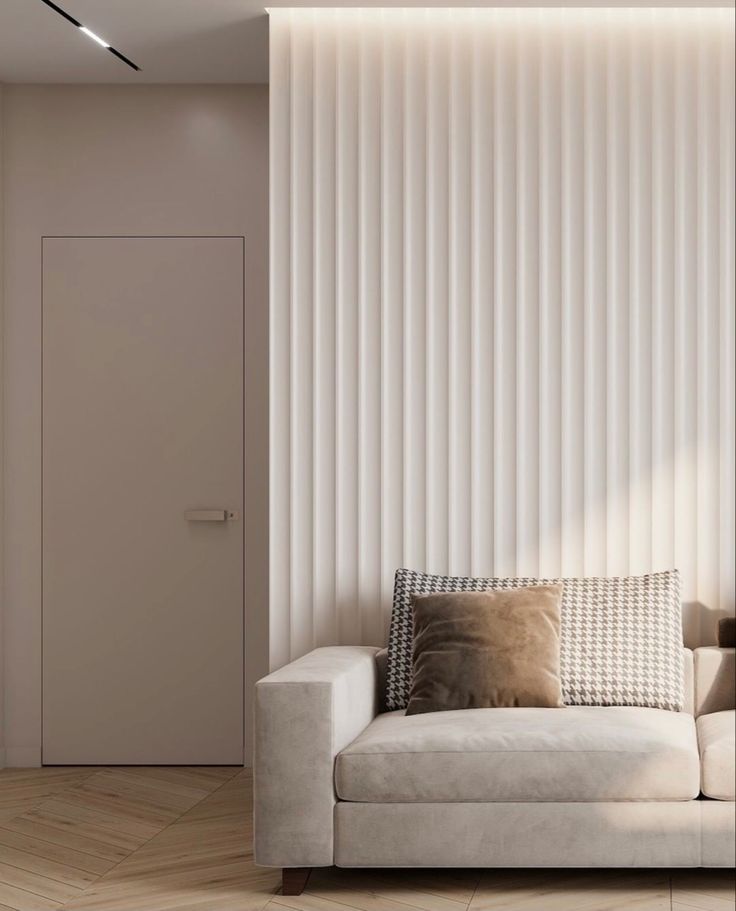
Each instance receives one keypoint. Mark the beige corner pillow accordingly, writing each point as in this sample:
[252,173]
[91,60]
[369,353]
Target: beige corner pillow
[489,649]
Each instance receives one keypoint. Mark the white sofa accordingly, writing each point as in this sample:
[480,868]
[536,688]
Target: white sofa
[338,782]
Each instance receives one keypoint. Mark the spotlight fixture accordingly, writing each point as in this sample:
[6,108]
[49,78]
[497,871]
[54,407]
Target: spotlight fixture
[90,34]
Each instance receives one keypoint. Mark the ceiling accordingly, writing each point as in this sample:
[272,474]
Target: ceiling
[170,40]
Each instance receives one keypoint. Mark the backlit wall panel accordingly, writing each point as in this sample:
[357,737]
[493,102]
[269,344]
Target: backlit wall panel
[502,305]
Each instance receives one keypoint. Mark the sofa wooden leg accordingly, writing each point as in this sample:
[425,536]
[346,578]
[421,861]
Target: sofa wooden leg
[294,879]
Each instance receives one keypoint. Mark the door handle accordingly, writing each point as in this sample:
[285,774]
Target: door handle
[211,515]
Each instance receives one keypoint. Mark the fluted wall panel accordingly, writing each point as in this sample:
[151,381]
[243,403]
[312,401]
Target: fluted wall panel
[502,305]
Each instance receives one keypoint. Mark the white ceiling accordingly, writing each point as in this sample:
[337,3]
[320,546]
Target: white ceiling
[171,40]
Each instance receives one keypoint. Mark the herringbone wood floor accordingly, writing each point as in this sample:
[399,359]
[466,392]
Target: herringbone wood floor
[179,839]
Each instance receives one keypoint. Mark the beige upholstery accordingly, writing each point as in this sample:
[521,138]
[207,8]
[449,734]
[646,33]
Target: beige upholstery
[305,714]
[688,683]
[652,834]
[717,833]
[309,712]
[717,741]
[715,680]
[535,754]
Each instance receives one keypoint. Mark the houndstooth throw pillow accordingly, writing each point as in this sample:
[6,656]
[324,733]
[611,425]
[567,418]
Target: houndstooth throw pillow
[620,638]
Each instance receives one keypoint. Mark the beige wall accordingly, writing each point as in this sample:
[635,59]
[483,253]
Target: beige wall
[120,160]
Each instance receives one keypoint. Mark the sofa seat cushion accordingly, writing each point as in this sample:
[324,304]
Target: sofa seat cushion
[717,741]
[578,753]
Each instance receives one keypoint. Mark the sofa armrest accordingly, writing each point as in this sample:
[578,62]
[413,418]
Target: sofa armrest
[688,681]
[715,680]
[305,714]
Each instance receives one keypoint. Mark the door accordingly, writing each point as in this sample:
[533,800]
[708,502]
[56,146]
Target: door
[142,438]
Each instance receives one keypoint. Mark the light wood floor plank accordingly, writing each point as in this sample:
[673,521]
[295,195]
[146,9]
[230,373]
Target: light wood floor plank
[365,900]
[12,777]
[719,884]
[22,790]
[31,863]
[37,884]
[573,890]
[191,793]
[203,860]
[10,811]
[38,792]
[688,907]
[458,885]
[80,813]
[180,839]
[408,890]
[309,902]
[66,839]
[204,777]
[142,792]
[702,901]
[63,855]
[107,798]
[101,834]
[20,900]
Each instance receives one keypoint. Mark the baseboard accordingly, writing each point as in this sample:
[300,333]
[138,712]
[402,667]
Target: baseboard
[23,757]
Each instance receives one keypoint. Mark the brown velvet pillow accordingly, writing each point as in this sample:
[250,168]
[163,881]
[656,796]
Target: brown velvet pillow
[486,650]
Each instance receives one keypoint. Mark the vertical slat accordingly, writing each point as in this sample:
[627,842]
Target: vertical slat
[302,629]
[550,259]
[527,297]
[460,245]
[571,352]
[617,302]
[436,376]
[369,335]
[727,331]
[481,538]
[662,301]
[280,343]
[640,291]
[707,337]
[417,346]
[323,440]
[594,316]
[617,305]
[369,356]
[685,335]
[504,302]
[392,304]
[346,381]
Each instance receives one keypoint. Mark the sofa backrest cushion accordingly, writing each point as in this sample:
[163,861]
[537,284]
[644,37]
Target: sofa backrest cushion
[688,680]
[715,680]
[620,638]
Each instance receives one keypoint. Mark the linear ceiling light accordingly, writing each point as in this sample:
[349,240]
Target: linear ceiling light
[90,34]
